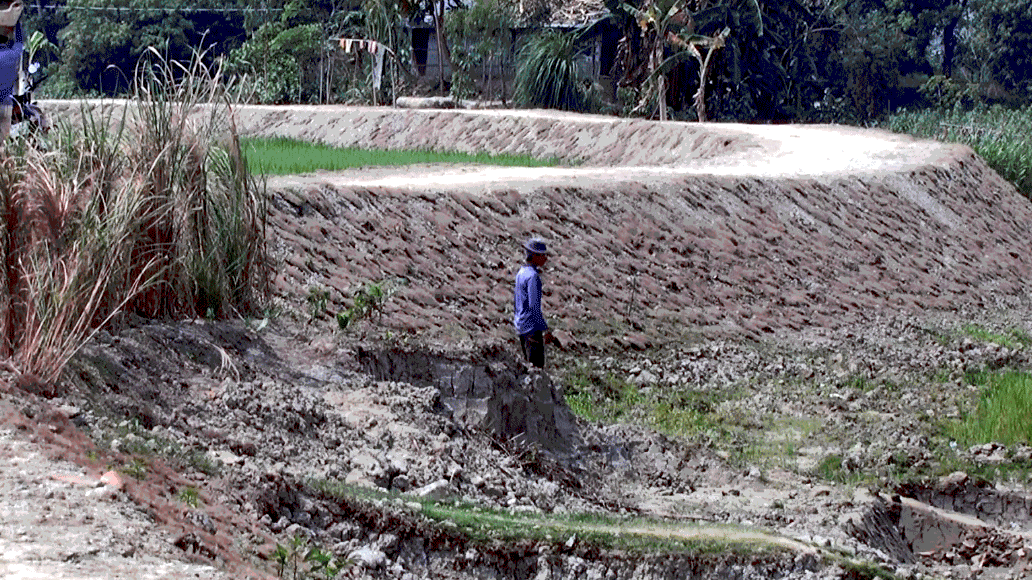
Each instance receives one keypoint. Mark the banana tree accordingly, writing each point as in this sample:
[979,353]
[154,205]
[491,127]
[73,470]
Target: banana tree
[752,59]
[657,19]
[668,37]
[690,45]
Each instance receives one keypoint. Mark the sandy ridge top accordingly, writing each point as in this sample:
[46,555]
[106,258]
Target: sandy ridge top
[605,148]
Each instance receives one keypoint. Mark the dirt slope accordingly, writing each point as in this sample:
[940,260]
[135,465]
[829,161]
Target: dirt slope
[665,234]
[666,231]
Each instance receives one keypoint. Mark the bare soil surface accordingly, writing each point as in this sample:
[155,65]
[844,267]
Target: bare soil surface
[801,299]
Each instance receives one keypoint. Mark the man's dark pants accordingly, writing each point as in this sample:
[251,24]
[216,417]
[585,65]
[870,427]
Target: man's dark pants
[533,344]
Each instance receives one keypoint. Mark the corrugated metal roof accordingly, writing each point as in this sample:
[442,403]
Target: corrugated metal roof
[562,13]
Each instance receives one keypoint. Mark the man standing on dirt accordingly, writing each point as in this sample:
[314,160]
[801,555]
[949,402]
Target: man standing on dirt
[528,319]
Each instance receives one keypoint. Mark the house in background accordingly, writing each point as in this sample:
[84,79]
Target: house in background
[594,62]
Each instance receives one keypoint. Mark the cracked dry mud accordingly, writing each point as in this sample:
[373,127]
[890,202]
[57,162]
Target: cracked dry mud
[802,290]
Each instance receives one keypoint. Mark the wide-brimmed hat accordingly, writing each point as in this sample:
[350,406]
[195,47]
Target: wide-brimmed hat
[10,13]
[535,246]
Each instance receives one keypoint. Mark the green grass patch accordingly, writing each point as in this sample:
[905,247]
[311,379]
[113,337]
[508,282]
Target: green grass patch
[634,534]
[1003,412]
[286,156]
[832,468]
[143,446]
[1011,338]
[1003,137]
[601,396]
[598,395]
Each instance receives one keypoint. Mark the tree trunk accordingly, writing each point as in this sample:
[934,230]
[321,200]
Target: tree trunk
[662,98]
[949,47]
[443,54]
[657,57]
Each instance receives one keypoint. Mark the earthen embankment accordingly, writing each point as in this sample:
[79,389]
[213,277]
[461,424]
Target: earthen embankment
[661,230]
[645,255]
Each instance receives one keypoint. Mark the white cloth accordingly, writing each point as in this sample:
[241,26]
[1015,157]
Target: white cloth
[378,52]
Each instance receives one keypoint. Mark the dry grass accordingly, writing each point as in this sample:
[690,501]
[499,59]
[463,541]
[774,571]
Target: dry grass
[154,212]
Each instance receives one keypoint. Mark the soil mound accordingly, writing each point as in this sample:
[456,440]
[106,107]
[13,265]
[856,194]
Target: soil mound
[691,245]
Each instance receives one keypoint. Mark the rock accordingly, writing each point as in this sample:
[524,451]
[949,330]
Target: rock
[953,481]
[437,491]
[359,478]
[644,378]
[104,493]
[201,520]
[368,557]
[367,470]
[822,491]
[227,457]
[113,479]
[490,396]
[401,483]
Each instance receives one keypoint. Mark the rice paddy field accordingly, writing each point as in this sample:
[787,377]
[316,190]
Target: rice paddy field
[287,156]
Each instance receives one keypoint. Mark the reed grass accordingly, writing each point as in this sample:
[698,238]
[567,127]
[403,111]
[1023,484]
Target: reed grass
[1003,137]
[153,211]
[287,156]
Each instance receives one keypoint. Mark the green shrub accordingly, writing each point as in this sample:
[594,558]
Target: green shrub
[546,74]
[299,559]
[189,496]
[367,301]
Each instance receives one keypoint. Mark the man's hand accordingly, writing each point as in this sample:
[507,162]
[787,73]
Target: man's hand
[551,339]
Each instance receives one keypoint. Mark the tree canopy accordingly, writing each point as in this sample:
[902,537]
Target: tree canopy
[779,60]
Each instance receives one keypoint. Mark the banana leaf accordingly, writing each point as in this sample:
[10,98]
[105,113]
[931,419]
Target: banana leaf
[693,41]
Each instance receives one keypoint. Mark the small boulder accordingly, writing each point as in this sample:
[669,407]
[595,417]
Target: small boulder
[368,557]
[437,491]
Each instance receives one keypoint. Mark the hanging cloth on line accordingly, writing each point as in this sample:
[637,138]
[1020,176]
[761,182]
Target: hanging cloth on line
[378,51]
[375,48]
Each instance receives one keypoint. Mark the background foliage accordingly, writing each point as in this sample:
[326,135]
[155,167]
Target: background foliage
[852,61]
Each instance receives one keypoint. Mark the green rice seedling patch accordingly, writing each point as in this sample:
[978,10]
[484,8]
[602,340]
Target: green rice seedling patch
[286,156]
[1002,413]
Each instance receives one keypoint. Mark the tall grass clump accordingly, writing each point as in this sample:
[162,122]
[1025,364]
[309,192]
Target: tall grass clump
[1003,137]
[151,209]
[546,74]
[1003,413]
[206,224]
